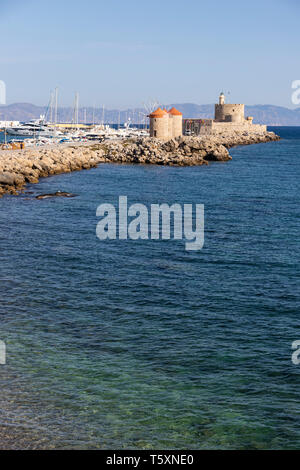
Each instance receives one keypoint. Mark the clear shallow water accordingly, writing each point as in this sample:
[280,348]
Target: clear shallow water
[142,344]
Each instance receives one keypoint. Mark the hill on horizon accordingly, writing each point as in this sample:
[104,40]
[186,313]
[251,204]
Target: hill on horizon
[263,114]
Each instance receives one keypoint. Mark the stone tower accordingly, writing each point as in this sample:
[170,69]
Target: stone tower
[159,124]
[165,125]
[229,112]
[175,123]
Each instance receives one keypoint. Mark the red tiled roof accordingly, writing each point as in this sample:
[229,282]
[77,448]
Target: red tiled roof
[158,113]
[175,112]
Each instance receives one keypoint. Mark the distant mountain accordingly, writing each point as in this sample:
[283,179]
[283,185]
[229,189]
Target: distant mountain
[20,112]
[263,114]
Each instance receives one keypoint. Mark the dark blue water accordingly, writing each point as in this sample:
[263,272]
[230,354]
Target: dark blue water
[8,138]
[141,344]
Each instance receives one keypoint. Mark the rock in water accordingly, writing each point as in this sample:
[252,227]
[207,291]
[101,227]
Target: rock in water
[57,194]
[7,179]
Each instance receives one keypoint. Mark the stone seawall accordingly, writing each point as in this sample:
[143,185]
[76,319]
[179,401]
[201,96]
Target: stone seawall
[19,167]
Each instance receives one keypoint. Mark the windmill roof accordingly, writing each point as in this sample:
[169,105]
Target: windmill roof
[158,113]
[175,112]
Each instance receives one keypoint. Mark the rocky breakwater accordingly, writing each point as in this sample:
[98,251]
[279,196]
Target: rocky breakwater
[182,151]
[235,138]
[18,167]
[26,166]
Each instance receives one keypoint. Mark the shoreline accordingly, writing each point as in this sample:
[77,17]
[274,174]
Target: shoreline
[19,167]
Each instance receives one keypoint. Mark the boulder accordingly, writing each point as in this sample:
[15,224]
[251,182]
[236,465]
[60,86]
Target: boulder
[7,179]
[57,194]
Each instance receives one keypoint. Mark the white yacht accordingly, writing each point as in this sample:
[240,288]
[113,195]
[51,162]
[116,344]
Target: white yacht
[35,127]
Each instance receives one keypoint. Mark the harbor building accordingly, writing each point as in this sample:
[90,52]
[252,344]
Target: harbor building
[228,117]
[165,125]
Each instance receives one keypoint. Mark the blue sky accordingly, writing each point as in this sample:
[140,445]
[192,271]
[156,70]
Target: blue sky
[123,53]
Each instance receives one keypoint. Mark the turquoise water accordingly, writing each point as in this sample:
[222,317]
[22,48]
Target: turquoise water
[141,344]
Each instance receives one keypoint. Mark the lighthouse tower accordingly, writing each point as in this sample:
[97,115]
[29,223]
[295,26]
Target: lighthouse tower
[229,112]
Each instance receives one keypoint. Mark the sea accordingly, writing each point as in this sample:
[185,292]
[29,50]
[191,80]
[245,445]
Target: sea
[124,344]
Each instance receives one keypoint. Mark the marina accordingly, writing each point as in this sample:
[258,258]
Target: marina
[37,134]
[48,130]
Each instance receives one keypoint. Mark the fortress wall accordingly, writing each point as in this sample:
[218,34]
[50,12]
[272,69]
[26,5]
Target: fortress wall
[197,126]
[220,127]
[205,127]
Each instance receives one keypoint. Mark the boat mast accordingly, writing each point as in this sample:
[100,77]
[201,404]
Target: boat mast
[76,108]
[56,104]
[103,116]
[51,106]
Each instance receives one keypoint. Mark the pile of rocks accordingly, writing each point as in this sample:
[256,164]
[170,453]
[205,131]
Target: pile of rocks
[19,167]
[183,151]
[235,138]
